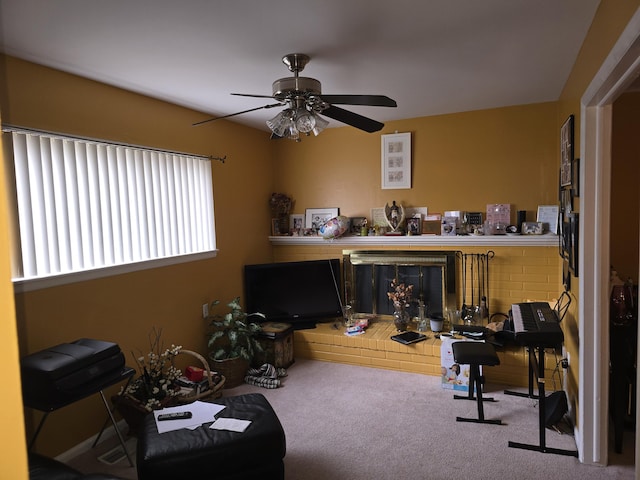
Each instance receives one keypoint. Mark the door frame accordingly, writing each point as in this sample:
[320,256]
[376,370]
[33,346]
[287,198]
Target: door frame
[618,71]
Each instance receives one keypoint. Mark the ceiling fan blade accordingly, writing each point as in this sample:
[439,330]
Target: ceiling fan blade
[237,113]
[353,119]
[371,100]
[251,95]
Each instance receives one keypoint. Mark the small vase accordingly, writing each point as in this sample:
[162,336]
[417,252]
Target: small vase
[401,320]
[621,305]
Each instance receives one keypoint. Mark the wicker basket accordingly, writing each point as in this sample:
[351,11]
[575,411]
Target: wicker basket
[213,391]
[133,412]
[233,369]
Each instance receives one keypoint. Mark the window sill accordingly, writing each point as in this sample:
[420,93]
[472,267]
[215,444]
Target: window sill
[27,285]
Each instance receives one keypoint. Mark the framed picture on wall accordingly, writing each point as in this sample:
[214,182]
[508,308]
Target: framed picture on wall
[575,178]
[574,225]
[566,152]
[564,238]
[566,202]
[396,160]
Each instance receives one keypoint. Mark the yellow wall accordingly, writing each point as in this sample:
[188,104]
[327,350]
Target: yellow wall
[124,308]
[12,437]
[610,20]
[460,161]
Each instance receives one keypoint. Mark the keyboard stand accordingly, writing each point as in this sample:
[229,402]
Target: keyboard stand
[536,367]
[531,370]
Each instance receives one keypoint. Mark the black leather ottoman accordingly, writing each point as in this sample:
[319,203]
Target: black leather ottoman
[203,453]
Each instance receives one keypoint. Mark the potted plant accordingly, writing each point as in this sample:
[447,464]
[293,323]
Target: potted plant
[233,342]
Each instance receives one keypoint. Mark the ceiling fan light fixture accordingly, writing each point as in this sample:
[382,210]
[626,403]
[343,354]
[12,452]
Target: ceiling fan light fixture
[292,132]
[321,124]
[305,120]
[280,123]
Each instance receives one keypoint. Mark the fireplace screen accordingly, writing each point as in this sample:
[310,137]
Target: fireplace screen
[368,276]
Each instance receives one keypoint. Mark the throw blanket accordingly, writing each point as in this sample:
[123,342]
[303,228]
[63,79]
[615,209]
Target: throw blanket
[266,376]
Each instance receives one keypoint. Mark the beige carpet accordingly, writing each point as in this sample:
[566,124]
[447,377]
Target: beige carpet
[349,422]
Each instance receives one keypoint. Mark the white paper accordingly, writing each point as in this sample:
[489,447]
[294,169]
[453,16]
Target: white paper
[201,412]
[232,424]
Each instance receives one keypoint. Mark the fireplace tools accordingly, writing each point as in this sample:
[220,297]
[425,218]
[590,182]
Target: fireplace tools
[475,279]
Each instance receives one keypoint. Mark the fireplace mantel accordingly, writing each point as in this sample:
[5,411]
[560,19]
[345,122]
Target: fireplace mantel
[547,240]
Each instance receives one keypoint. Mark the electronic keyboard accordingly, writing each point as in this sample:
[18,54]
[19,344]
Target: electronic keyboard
[536,324]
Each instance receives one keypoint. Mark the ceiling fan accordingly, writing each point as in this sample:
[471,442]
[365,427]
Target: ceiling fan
[304,102]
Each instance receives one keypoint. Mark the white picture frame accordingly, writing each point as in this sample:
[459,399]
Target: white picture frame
[396,161]
[316,217]
[378,218]
[548,215]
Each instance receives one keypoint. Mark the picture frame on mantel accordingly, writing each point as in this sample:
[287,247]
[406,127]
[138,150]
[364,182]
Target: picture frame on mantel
[317,217]
[396,161]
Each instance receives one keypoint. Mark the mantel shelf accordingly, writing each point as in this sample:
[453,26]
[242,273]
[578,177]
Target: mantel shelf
[547,240]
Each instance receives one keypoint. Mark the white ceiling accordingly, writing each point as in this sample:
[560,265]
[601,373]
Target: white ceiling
[431,56]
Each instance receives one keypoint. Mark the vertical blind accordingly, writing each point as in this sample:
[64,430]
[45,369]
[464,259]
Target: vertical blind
[84,204]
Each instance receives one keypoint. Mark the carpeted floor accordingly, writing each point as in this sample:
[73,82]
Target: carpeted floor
[349,422]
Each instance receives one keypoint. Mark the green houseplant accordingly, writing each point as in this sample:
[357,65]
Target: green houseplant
[233,341]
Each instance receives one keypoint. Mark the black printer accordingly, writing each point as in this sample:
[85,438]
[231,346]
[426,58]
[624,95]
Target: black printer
[59,375]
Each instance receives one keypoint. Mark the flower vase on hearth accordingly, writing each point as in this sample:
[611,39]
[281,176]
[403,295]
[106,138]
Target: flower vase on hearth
[401,319]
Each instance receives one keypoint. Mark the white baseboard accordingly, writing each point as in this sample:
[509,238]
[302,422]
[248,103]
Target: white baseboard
[85,446]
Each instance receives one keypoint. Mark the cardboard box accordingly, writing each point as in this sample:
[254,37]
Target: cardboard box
[454,376]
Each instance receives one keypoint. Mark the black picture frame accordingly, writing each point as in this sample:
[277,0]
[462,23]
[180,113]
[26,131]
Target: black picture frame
[566,275]
[566,152]
[565,239]
[566,203]
[574,232]
[575,178]
[414,226]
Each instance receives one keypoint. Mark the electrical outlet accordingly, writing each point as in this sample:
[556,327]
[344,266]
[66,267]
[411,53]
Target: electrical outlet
[205,310]
[566,360]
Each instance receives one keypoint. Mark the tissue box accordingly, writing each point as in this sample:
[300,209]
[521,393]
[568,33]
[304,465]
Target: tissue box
[195,374]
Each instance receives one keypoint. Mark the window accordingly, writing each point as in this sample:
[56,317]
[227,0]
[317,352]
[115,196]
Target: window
[84,205]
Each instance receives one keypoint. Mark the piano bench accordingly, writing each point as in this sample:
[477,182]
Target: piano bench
[475,354]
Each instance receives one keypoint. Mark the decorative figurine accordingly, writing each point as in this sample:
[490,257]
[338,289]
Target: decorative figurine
[394,215]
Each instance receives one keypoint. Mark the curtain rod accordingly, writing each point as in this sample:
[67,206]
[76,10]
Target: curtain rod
[12,128]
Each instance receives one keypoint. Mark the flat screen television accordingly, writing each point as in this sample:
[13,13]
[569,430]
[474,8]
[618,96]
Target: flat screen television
[299,293]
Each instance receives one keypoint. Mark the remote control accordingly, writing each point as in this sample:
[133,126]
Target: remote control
[174,416]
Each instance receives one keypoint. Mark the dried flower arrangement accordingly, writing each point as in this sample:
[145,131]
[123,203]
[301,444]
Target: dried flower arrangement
[155,384]
[280,204]
[400,294]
